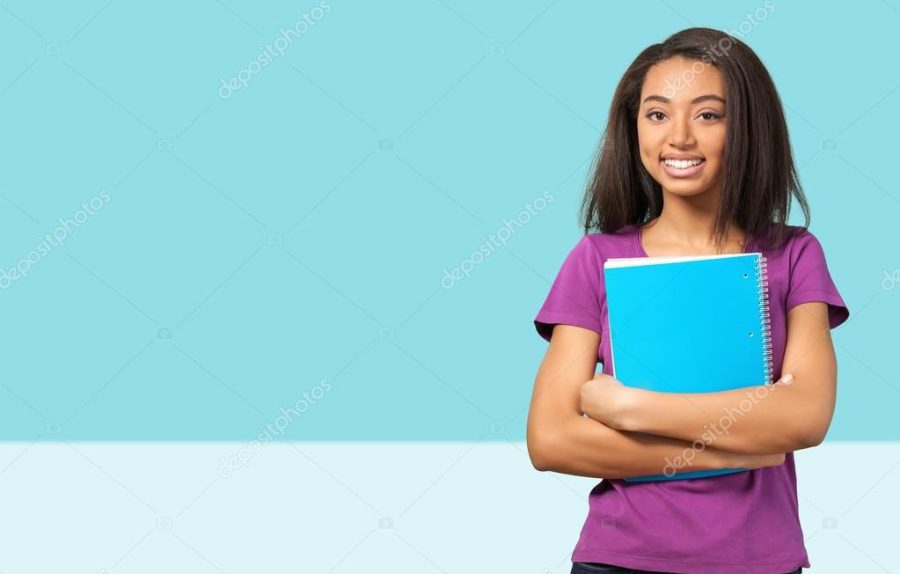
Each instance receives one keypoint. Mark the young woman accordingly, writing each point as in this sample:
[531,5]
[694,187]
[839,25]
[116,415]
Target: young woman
[695,160]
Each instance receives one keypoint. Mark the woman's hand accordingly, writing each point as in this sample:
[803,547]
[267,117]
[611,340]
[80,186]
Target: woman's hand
[607,400]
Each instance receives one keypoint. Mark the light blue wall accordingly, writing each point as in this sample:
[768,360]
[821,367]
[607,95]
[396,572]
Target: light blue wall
[220,252]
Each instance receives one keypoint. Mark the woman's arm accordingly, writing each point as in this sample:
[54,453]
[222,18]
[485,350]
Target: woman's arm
[784,417]
[561,439]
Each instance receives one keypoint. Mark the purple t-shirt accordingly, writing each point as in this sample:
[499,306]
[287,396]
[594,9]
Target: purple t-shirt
[745,522]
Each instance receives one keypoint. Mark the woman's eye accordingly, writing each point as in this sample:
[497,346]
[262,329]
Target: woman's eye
[658,116]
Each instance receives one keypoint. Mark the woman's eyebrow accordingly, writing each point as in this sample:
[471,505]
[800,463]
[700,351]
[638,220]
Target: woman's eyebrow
[696,100]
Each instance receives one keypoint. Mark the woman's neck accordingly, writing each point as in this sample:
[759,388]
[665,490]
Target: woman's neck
[686,226]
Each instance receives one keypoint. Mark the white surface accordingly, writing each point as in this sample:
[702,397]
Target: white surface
[367,507]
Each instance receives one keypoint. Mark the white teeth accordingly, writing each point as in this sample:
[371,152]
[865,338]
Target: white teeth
[682,164]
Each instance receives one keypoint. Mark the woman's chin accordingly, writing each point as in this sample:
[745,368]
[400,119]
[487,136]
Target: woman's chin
[681,187]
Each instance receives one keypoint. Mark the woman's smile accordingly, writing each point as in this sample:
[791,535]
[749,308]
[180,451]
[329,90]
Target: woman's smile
[683,168]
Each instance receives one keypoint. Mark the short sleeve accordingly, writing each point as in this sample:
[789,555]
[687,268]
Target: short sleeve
[810,279]
[576,293]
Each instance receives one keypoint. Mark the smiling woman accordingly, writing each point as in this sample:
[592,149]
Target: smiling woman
[695,160]
[700,95]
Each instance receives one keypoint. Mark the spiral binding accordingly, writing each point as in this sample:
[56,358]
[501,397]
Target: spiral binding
[762,283]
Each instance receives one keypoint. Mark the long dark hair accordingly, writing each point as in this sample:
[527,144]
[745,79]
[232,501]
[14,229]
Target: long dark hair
[758,176]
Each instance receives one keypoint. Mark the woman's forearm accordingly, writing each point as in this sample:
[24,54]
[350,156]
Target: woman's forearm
[756,420]
[585,447]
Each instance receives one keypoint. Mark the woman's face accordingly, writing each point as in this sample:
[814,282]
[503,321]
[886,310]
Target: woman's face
[682,116]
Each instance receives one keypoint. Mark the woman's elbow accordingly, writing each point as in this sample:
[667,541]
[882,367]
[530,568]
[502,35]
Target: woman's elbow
[812,437]
[540,450]
[812,428]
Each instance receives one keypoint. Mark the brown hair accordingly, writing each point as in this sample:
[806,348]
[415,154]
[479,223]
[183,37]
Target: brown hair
[758,176]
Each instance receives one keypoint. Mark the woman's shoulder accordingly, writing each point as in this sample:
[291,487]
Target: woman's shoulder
[610,244]
[792,238]
[799,249]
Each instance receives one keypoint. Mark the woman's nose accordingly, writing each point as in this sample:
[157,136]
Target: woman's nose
[681,135]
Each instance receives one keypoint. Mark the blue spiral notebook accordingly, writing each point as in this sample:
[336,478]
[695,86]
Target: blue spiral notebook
[689,325]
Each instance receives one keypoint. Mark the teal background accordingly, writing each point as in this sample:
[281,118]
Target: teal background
[293,237]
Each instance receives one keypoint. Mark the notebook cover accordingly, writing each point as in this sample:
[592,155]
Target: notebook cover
[689,325]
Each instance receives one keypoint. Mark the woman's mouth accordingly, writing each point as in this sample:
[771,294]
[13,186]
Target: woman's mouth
[683,168]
